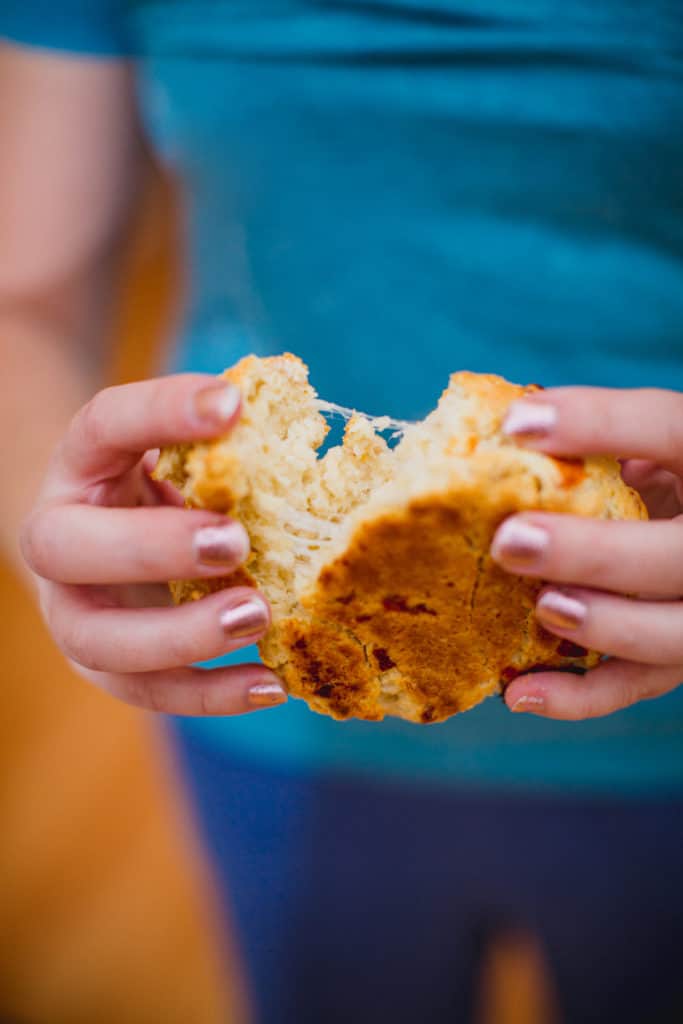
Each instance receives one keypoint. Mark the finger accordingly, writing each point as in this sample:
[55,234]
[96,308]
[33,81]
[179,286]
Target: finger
[157,492]
[110,433]
[641,631]
[661,490]
[122,640]
[613,685]
[631,557]
[150,459]
[98,545]
[642,424]
[234,690]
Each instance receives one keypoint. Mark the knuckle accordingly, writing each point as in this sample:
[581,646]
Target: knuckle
[182,646]
[153,696]
[630,692]
[210,698]
[34,544]
[159,391]
[91,421]
[74,639]
[133,690]
[593,569]
[592,701]
[584,706]
[205,703]
[588,557]
[577,549]
[148,561]
[158,399]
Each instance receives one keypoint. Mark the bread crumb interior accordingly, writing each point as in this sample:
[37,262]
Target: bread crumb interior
[296,504]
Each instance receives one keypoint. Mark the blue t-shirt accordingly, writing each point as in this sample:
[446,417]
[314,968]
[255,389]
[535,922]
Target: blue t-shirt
[395,190]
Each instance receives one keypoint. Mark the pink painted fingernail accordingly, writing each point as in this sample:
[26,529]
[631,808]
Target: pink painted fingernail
[217,404]
[529,419]
[519,544]
[221,545]
[528,703]
[561,611]
[250,616]
[266,695]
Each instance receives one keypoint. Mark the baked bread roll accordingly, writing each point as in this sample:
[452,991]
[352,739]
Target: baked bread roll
[375,559]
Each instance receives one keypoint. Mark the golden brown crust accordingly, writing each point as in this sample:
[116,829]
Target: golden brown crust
[413,618]
[436,620]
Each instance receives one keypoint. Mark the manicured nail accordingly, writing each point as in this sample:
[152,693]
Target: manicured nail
[265,695]
[528,703]
[217,404]
[221,545]
[243,619]
[529,419]
[559,610]
[519,544]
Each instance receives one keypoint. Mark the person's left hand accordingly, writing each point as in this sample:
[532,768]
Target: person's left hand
[593,564]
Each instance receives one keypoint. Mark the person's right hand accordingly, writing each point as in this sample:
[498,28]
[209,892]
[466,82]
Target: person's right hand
[104,538]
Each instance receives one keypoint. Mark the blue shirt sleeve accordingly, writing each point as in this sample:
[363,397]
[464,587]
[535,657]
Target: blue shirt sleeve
[92,27]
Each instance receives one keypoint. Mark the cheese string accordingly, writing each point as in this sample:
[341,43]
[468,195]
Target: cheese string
[380,424]
[305,528]
[377,422]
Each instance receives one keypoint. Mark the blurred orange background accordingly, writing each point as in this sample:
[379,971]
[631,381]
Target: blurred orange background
[105,904]
[106,908]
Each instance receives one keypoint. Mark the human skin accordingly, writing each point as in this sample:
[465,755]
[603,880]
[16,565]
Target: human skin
[100,536]
[616,587]
[58,281]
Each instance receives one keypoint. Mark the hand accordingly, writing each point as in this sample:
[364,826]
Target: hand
[594,564]
[102,524]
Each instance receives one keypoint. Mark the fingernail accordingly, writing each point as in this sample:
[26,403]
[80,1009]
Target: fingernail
[243,619]
[529,419]
[265,695]
[560,610]
[217,403]
[519,543]
[221,545]
[528,703]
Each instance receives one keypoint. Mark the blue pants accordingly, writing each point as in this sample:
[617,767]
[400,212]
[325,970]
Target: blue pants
[361,902]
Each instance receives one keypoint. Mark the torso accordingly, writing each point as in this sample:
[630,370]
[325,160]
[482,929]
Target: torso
[397,190]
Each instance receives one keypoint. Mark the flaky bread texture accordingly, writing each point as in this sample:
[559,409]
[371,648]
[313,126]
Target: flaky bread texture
[375,559]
